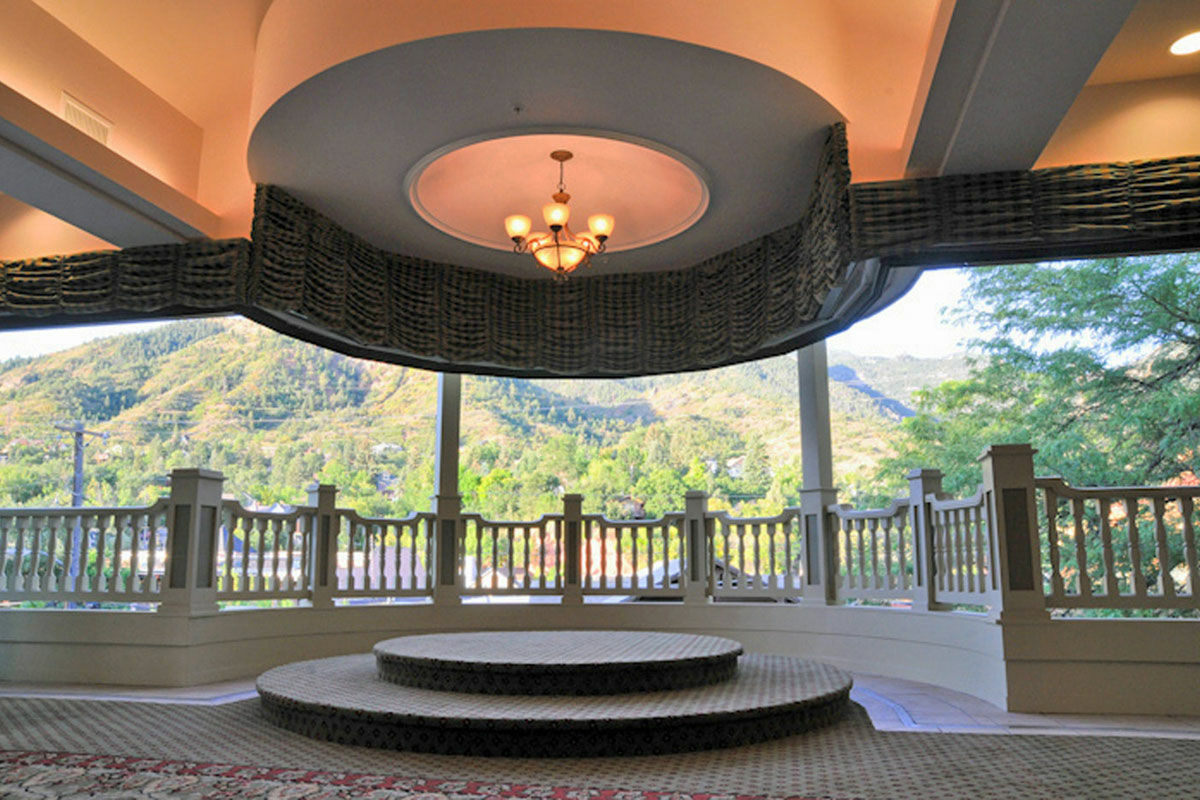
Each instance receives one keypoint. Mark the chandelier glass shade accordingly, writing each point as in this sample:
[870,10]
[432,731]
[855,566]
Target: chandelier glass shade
[559,250]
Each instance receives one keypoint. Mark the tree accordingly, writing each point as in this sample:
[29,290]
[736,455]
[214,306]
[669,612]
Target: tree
[1097,364]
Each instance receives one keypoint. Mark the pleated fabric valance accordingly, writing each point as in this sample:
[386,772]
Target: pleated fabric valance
[305,275]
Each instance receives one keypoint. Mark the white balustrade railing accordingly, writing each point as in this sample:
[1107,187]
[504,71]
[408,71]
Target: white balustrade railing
[875,552]
[640,558]
[263,555]
[964,549]
[379,557]
[87,555]
[511,558]
[1119,547]
[755,557]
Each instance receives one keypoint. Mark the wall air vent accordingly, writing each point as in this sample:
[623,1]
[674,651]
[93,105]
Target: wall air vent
[85,119]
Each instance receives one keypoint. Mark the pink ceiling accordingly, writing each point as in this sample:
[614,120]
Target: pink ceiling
[469,191]
[865,57]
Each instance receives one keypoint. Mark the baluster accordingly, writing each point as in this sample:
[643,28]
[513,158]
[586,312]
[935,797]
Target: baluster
[888,578]
[942,535]
[772,543]
[19,582]
[527,563]
[1135,546]
[1166,584]
[118,534]
[982,565]
[1186,506]
[789,577]
[260,529]
[5,522]
[871,534]
[35,560]
[1056,581]
[243,565]
[960,546]
[1111,588]
[542,556]
[150,585]
[510,533]
[967,518]
[1083,581]
[93,524]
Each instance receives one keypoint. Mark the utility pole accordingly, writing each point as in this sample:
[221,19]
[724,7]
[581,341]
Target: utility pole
[79,431]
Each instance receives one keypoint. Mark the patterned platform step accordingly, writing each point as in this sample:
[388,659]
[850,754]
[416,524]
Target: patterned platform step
[557,662]
[342,700]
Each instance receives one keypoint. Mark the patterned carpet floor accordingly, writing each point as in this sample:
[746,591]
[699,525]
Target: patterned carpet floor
[50,748]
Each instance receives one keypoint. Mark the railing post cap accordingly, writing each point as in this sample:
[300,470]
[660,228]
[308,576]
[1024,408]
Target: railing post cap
[693,493]
[572,496]
[197,472]
[924,472]
[1013,449]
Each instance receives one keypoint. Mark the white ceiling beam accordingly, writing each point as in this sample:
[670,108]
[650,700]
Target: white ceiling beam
[1008,73]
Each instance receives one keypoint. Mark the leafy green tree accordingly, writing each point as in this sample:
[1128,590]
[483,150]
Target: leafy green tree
[1097,364]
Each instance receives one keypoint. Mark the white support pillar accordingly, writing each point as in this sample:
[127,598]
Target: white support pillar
[696,560]
[816,463]
[921,484]
[447,502]
[573,543]
[323,555]
[1008,479]
[193,518]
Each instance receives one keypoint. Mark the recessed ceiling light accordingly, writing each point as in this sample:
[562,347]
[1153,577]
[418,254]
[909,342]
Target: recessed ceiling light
[1186,45]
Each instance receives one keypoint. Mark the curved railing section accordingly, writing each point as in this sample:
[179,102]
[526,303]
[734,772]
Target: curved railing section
[755,557]
[85,555]
[499,557]
[640,557]
[875,551]
[964,548]
[380,557]
[1128,547]
[263,555]
[1019,546]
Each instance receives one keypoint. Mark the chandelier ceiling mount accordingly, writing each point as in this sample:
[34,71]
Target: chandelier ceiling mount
[559,250]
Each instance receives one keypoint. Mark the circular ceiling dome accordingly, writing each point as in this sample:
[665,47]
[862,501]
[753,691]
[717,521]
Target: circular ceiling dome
[467,191]
[353,141]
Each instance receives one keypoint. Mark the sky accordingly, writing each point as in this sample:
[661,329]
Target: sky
[914,325]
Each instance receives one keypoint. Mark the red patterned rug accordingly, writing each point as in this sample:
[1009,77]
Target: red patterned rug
[32,775]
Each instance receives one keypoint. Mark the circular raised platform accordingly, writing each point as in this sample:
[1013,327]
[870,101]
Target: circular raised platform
[557,662]
[343,700]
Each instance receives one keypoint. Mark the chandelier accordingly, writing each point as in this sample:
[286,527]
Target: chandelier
[559,250]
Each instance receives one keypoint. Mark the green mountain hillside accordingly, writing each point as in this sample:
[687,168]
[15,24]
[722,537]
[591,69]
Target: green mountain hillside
[275,414]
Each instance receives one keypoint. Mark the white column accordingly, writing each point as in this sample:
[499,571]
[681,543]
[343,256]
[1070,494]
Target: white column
[921,484]
[816,462]
[192,520]
[324,547]
[1008,479]
[447,502]
[572,562]
[696,559]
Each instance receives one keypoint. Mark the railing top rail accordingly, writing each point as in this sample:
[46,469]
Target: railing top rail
[282,516]
[788,513]
[413,516]
[668,518]
[482,520]
[844,511]
[1063,489]
[86,511]
[944,502]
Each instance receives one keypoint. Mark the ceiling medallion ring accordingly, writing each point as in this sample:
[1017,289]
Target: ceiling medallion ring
[560,250]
